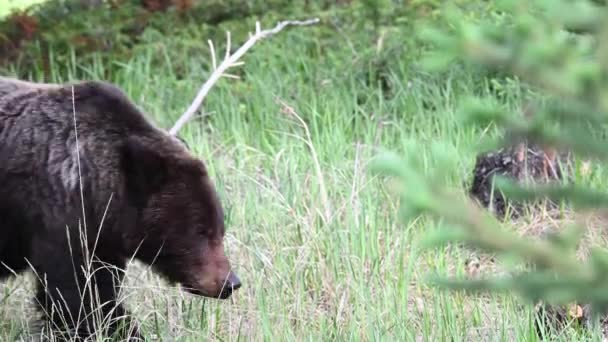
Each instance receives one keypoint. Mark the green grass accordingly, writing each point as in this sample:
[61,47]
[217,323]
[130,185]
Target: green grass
[353,276]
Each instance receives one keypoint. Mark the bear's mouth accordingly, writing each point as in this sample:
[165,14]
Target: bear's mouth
[225,293]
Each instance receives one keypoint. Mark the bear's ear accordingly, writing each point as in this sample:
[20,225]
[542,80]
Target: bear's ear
[144,167]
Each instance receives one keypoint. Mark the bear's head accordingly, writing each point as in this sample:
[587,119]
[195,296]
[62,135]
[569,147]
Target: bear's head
[180,220]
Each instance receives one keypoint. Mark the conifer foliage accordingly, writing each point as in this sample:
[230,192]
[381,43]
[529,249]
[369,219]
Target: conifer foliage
[559,49]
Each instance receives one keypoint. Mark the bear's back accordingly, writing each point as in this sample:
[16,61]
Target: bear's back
[95,103]
[38,140]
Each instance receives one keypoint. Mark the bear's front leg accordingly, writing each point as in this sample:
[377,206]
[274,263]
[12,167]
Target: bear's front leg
[78,295]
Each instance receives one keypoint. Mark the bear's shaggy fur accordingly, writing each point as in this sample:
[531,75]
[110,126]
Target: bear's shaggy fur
[79,162]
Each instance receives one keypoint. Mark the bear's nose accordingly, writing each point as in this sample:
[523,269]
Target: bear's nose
[234,281]
[232,284]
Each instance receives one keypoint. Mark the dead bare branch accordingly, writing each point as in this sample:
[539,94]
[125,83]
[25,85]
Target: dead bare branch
[231,61]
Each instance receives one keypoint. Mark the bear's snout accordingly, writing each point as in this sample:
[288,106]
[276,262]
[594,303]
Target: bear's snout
[232,284]
[220,288]
[215,278]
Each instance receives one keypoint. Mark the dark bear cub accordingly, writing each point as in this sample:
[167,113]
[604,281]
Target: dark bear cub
[87,183]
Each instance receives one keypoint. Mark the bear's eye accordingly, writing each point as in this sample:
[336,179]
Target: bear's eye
[203,232]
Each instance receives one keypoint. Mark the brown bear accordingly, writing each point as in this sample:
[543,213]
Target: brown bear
[87,182]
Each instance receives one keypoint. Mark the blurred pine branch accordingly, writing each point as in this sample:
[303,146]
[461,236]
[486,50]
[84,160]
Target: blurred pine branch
[560,49]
